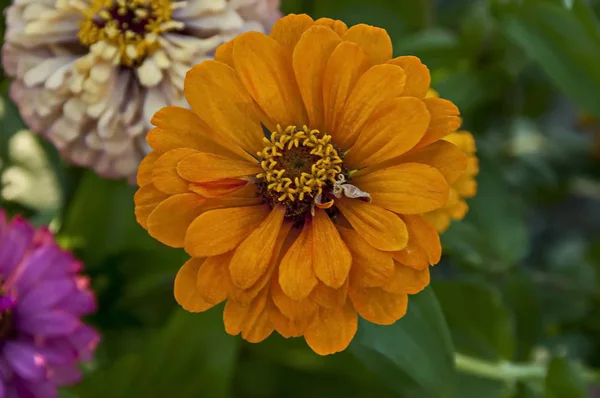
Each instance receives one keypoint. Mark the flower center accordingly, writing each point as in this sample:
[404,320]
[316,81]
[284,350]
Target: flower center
[130,27]
[299,166]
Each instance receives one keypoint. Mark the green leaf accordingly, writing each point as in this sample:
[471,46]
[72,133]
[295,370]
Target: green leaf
[414,356]
[397,17]
[469,386]
[564,380]
[471,89]
[588,18]
[479,321]
[101,216]
[435,47]
[191,357]
[573,68]
[112,381]
[523,297]
[494,234]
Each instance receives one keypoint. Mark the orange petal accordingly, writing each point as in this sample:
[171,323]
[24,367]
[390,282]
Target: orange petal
[410,188]
[407,280]
[383,229]
[375,42]
[144,174]
[205,167]
[393,128]
[337,26]
[233,317]
[431,93]
[378,306]
[186,289]
[215,93]
[296,273]
[440,219]
[292,309]
[444,120]
[285,326]
[267,75]
[466,187]
[245,296]
[375,86]
[181,128]
[251,258]
[332,330]
[288,30]
[370,267]
[418,78]
[220,188]
[413,256]
[329,297]
[260,329]
[224,54]
[346,65]
[214,283]
[444,156]
[170,220]
[424,235]
[331,257]
[146,199]
[164,174]
[225,202]
[252,320]
[219,231]
[459,211]
[464,140]
[316,45]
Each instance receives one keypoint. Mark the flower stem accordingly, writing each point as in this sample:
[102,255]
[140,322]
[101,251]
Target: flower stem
[509,371]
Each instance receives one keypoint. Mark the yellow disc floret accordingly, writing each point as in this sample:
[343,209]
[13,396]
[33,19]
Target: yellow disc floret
[298,163]
[130,26]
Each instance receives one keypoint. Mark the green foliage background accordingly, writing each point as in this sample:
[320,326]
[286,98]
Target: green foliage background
[514,307]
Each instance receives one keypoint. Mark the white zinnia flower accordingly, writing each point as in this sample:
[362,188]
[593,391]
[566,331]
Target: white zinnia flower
[89,74]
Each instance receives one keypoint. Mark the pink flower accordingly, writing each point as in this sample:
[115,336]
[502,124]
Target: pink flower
[42,298]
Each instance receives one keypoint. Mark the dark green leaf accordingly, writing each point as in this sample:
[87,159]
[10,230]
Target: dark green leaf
[522,296]
[113,381]
[397,17]
[564,380]
[414,356]
[477,387]
[204,355]
[494,233]
[435,47]
[478,319]
[573,68]
[471,89]
[191,357]
[101,217]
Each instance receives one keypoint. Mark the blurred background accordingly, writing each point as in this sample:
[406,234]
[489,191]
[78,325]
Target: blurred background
[517,313]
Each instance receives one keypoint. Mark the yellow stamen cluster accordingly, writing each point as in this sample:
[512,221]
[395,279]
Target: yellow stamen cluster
[280,147]
[130,27]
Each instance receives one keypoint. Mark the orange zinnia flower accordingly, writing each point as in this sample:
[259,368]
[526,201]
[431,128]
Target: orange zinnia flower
[298,181]
[464,187]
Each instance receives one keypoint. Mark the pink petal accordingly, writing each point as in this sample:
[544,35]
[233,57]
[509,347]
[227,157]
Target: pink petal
[25,360]
[85,339]
[46,294]
[15,241]
[48,324]
[65,375]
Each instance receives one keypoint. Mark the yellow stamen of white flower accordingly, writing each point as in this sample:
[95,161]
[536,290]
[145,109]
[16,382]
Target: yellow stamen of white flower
[129,28]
